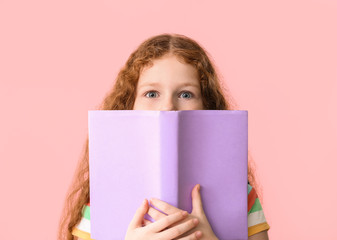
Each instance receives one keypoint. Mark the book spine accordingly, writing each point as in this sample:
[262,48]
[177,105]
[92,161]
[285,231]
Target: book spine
[169,156]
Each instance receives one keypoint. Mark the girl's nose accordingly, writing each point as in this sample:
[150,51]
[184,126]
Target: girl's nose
[168,105]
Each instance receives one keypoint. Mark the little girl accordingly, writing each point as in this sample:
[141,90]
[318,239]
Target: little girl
[168,72]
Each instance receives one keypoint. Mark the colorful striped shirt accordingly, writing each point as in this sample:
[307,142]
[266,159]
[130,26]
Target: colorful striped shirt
[256,219]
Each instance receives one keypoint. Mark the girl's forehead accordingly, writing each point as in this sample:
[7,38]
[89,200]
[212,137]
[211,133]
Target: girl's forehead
[168,67]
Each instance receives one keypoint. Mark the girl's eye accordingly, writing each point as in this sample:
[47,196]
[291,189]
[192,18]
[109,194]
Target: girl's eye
[185,94]
[146,94]
[188,94]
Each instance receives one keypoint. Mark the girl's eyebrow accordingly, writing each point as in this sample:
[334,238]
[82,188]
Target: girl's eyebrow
[158,84]
[149,84]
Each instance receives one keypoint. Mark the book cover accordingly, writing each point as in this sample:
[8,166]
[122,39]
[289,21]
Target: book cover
[137,154]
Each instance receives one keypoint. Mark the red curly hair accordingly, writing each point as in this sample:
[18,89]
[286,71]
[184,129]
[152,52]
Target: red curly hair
[215,96]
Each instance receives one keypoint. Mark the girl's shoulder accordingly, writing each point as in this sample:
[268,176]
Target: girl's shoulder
[253,199]
[256,219]
[82,229]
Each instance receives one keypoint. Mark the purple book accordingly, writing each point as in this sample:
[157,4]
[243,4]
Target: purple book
[137,154]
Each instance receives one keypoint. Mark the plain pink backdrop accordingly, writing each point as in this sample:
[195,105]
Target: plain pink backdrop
[279,58]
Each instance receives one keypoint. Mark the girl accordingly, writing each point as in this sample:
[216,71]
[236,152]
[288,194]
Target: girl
[166,72]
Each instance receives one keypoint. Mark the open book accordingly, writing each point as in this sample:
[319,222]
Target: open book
[137,154]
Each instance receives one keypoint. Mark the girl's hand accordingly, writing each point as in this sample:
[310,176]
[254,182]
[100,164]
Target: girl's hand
[162,228]
[197,212]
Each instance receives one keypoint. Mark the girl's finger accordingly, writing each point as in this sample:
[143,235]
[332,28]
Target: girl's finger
[139,215]
[164,206]
[178,230]
[196,200]
[155,214]
[192,236]
[146,222]
[167,221]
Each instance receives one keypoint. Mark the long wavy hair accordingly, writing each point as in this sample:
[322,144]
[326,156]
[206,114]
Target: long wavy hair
[215,96]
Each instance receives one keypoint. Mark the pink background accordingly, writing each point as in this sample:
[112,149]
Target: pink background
[279,58]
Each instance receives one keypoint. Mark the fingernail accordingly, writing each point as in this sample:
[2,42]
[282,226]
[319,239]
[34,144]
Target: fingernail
[184,213]
[144,201]
[198,234]
[195,221]
[199,186]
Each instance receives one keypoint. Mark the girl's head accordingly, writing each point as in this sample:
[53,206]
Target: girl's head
[166,72]
[169,60]
[168,85]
